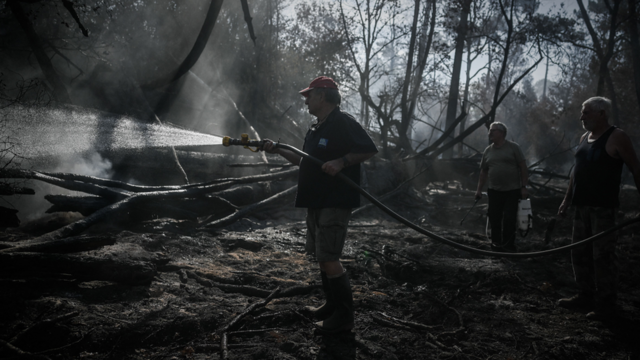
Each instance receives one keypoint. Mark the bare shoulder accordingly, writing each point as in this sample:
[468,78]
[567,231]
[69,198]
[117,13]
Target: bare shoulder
[618,136]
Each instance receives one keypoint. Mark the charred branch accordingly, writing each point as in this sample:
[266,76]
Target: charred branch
[280,197]
[247,19]
[410,324]
[24,174]
[170,202]
[224,352]
[250,290]
[69,6]
[253,165]
[23,354]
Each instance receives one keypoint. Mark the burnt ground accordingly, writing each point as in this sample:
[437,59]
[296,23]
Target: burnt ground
[469,306]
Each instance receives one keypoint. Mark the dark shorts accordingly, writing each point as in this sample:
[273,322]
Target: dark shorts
[326,232]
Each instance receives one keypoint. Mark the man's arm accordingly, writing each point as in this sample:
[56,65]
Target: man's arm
[334,166]
[624,150]
[270,147]
[564,206]
[568,196]
[482,180]
[524,176]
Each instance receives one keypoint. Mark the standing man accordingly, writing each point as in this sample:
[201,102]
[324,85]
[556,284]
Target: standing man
[593,191]
[504,166]
[339,140]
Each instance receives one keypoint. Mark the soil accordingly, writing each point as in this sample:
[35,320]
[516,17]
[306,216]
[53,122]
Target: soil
[414,298]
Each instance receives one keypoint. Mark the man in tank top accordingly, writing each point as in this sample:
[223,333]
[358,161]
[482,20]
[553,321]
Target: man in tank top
[593,192]
[503,166]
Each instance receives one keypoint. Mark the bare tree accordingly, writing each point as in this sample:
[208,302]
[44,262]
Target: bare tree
[454,88]
[401,94]
[604,52]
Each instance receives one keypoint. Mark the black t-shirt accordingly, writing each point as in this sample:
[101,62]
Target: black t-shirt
[338,135]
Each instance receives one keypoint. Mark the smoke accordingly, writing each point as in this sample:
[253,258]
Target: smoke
[32,207]
[92,164]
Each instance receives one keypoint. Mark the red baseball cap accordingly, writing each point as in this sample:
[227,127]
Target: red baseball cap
[319,82]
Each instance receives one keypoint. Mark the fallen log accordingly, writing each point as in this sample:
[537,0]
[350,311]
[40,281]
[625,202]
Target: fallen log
[84,187]
[93,185]
[121,207]
[83,267]
[62,246]
[85,205]
[176,208]
[128,200]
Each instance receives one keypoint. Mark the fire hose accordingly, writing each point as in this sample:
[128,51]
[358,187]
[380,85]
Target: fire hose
[246,142]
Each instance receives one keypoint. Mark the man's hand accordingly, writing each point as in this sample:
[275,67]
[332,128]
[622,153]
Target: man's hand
[269,147]
[478,195]
[562,211]
[333,167]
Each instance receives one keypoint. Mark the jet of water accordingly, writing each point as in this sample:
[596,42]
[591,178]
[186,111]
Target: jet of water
[50,131]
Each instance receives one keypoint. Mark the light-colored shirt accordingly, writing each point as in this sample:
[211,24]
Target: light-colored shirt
[503,166]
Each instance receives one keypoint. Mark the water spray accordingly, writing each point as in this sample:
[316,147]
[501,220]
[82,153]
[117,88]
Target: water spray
[62,130]
[246,142]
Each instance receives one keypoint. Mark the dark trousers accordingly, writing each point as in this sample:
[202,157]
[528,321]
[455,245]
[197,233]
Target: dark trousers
[503,212]
[595,265]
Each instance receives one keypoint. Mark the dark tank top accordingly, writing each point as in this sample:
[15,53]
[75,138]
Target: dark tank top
[596,177]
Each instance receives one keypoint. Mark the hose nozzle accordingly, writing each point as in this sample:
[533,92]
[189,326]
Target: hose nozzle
[243,141]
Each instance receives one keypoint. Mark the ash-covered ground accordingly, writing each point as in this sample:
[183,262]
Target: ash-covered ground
[414,297]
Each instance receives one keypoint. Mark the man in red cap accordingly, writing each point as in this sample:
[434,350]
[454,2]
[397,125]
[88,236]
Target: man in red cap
[339,140]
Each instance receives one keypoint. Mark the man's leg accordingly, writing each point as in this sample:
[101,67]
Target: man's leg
[510,219]
[582,261]
[330,239]
[605,264]
[325,310]
[312,220]
[496,211]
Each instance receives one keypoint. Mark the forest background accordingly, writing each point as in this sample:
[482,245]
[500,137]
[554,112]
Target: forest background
[423,77]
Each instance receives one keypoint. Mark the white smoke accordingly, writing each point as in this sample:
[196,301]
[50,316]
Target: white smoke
[92,164]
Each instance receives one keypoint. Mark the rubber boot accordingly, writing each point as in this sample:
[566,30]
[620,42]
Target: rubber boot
[342,318]
[324,311]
